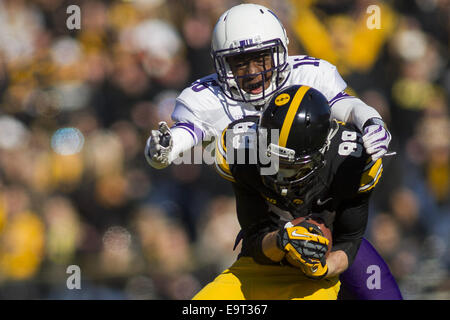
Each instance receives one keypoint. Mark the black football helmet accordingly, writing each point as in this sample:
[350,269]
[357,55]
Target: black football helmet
[301,117]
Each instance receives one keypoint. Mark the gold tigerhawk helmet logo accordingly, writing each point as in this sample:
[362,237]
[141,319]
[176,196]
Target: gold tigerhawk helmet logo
[282,99]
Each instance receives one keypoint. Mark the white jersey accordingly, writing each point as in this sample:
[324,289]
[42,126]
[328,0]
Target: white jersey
[205,111]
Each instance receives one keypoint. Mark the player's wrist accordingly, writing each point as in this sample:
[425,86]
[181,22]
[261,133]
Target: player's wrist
[318,272]
[282,240]
[374,121]
[271,248]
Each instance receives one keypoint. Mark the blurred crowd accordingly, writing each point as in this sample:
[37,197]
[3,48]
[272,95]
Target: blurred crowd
[77,105]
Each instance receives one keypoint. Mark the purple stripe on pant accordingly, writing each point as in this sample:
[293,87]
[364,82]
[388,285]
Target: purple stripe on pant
[360,280]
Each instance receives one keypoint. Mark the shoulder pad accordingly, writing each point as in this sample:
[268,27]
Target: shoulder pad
[235,145]
[371,175]
[352,168]
[318,74]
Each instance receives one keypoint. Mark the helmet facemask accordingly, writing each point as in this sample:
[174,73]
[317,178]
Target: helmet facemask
[294,174]
[230,83]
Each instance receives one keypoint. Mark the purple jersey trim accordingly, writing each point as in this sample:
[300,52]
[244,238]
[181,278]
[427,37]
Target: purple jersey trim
[340,96]
[306,60]
[196,133]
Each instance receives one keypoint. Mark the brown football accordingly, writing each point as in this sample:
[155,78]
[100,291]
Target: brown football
[326,232]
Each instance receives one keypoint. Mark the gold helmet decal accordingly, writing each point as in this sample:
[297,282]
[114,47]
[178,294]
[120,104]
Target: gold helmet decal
[282,99]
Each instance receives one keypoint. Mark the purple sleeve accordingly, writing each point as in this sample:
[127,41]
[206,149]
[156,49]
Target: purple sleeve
[369,277]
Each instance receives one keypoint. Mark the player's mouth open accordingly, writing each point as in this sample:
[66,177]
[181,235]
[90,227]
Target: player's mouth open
[255,88]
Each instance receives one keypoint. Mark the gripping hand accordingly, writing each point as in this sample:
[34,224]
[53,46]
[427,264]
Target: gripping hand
[305,247]
[159,145]
[376,138]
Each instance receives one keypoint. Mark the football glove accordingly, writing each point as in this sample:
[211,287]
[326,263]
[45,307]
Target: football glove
[305,247]
[159,145]
[376,138]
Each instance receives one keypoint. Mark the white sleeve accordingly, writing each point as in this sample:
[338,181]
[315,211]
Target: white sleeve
[343,106]
[324,76]
[188,130]
[182,141]
[351,109]
[318,74]
[184,117]
[331,81]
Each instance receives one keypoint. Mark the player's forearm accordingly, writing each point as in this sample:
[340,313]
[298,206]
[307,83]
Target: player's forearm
[351,109]
[270,248]
[182,141]
[337,263]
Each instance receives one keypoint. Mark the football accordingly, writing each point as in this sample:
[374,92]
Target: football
[316,220]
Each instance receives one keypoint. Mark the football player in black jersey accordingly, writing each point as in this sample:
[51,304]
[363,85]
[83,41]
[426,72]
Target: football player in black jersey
[319,167]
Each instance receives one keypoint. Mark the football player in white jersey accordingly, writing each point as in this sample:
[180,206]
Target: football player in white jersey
[250,53]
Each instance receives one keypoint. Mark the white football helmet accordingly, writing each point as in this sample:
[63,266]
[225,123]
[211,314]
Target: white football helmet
[248,28]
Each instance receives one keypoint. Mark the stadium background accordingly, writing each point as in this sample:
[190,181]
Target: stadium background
[76,107]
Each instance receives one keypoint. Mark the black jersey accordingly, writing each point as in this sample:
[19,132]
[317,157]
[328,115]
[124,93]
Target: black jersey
[340,192]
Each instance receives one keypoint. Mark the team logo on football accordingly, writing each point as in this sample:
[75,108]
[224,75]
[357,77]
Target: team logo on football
[282,99]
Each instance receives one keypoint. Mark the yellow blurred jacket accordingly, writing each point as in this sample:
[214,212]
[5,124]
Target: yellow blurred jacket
[21,245]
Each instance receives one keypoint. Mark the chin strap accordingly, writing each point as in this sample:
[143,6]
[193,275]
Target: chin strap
[258,107]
